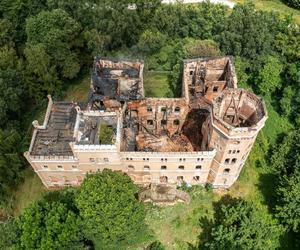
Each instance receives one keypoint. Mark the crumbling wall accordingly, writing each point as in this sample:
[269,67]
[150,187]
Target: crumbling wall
[162,116]
[207,77]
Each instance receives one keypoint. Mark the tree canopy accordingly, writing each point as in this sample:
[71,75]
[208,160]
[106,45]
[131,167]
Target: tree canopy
[53,38]
[239,224]
[286,161]
[49,225]
[109,209]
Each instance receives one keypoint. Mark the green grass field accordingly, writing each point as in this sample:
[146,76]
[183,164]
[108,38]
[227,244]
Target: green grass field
[29,191]
[156,84]
[79,90]
[276,6]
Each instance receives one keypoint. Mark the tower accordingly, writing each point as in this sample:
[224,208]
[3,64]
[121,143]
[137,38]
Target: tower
[237,117]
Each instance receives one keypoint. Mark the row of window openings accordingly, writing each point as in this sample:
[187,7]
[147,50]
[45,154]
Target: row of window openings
[198,167]
[94,160]
[233,161]
[162,122]
[164,179]
[233,151]
[163,159]
[64,178]
[59,167]
[163,109]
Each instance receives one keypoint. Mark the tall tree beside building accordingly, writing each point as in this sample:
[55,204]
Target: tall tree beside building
[109,209]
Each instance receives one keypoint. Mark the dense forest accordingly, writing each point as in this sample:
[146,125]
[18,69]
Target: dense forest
[45,45]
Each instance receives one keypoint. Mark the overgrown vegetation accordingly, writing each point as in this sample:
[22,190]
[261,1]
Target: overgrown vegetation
[106,134]
[47,46]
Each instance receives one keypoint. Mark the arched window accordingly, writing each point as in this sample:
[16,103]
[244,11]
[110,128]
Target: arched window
[176,122]
[177,109]
[163,167]
[130,167]
[198,167]
[233,160]
[227,161]
[150,122]
[180,178]
[163,122]
[149,109]
[146,168]
[181,167]
[197,178]
[226,171]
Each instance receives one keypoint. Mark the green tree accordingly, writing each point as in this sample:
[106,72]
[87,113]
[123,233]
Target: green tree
[151,41]
[12,94]
[11,163]
[58,33]
[200,48]
[49,225]
[53,40]
[248,33]
[286,100]
[16,12]
[123,20]
[239,224]
[80,10]
[7,33]
[109,209]
[268,79]
[11,91]
[287,209]
[8,234]
[286,161]
[41,75]
[199,21]
[288,41]
[293,3]
[241,68]
[96,42]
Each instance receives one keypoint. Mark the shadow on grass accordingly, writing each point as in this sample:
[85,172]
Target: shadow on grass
[207,224]
[266,185]
[269,180]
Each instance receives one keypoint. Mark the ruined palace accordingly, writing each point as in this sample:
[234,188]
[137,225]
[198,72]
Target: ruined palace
[204,136]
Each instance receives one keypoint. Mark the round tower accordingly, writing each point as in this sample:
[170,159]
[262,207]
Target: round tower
[237,117]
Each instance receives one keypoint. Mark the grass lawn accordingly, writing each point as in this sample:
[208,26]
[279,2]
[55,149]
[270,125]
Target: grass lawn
[276,6]
[29,191]
[156,84]
[79,90]
[176,226]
